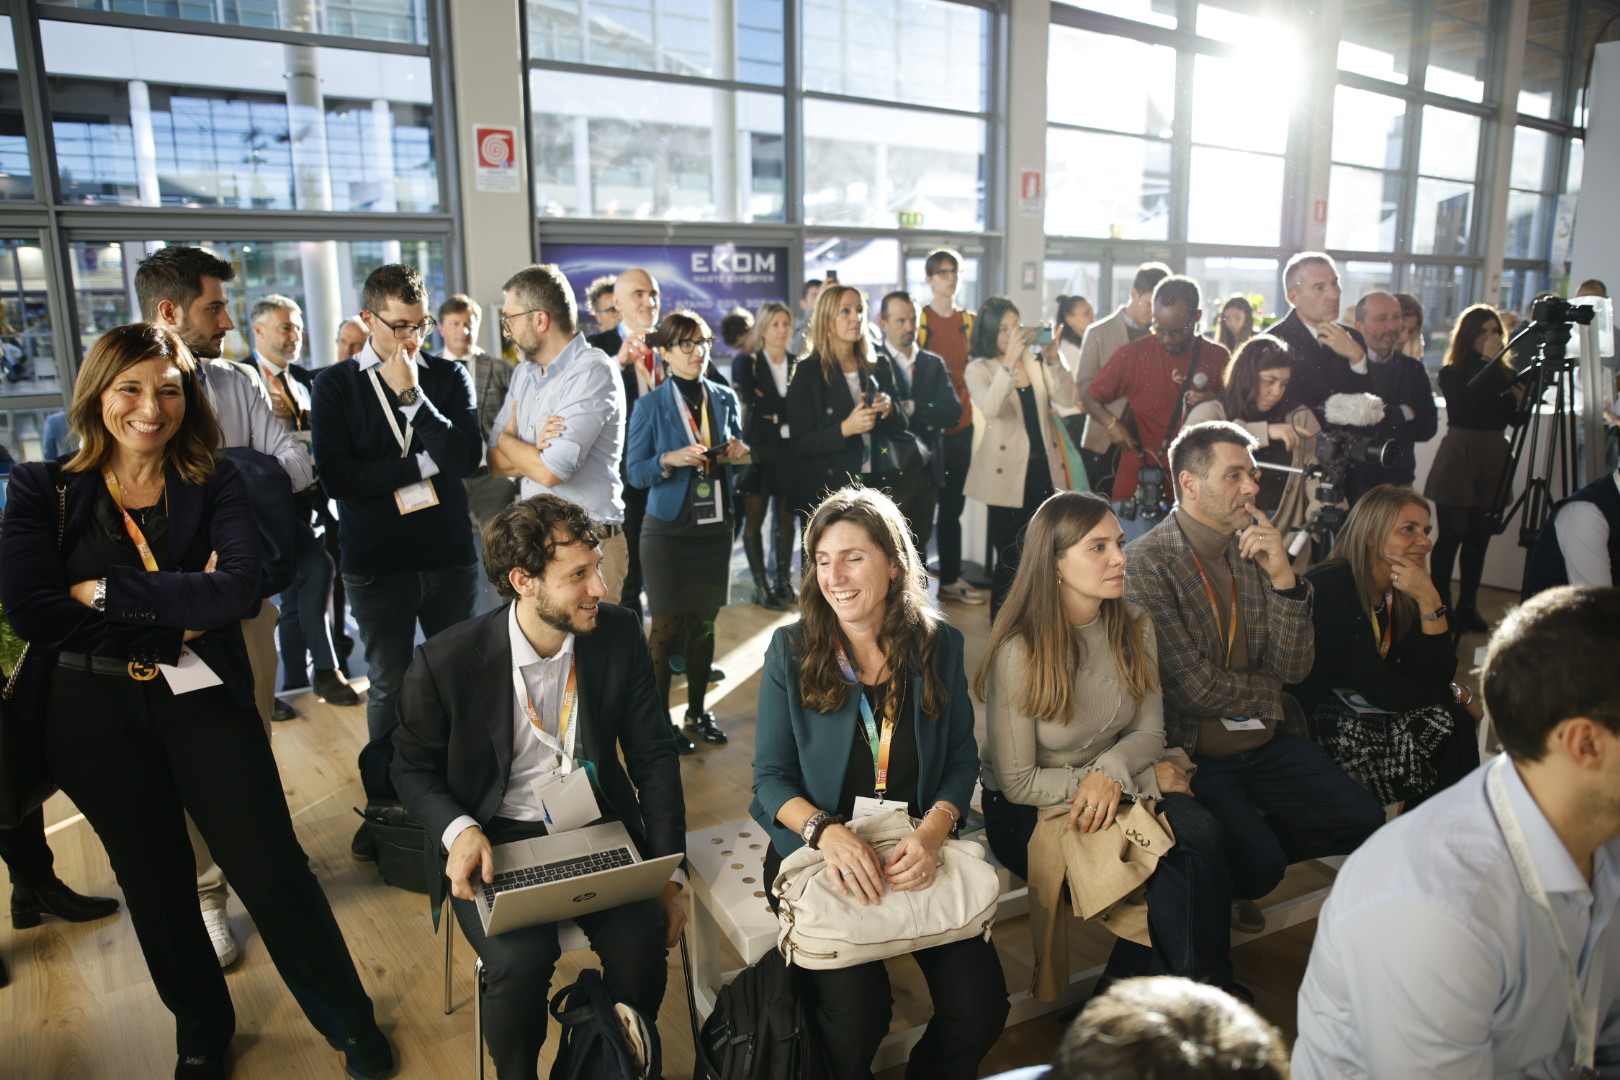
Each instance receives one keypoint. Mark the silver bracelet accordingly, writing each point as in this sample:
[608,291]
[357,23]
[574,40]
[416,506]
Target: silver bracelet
[955,821]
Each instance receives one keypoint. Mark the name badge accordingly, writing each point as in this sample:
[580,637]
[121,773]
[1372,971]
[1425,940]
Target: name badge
[567,800]
[866,806]
[191,673]
[1242,723]
[417,496]
[706,501]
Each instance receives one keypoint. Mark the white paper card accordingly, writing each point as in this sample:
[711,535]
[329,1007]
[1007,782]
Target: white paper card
[1355,701]
[567,801]
[417,496]
[191,673]
[1242,723]
[866,806]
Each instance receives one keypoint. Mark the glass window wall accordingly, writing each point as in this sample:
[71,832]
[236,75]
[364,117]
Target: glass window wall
[376,20]
[920,52]
[711,39]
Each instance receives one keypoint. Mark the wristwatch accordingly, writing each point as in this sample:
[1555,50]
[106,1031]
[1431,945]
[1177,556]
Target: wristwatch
[815,825]
[1461,694]
[99,601]
[410,395]
[1435,614]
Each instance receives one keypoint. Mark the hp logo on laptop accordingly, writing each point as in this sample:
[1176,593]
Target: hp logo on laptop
[582,897]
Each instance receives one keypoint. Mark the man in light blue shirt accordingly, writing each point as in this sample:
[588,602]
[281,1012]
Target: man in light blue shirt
[562,427]
[1447,946]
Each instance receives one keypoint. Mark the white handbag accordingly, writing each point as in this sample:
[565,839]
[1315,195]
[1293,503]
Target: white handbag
[821,928]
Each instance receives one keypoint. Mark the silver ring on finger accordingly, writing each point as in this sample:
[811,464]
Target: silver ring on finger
[847,873]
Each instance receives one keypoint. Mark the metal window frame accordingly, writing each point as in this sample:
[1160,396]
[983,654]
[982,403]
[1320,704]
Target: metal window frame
[56,225]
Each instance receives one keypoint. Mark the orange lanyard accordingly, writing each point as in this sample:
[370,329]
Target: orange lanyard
[1214,608]
[560,745]
[134,530]
[1383,636]
[878,740]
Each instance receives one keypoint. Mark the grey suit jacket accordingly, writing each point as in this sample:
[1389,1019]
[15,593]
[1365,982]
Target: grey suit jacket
[492,375]
[1102,338]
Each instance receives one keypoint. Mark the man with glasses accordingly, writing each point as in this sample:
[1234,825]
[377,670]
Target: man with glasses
[1157,376]
[944,329]
[1233,625]
[562,427]
[599,295]
[395,435]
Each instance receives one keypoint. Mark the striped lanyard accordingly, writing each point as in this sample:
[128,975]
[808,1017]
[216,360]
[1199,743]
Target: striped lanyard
[1383,635]
[703,433]
[134,530]
[1214,608]
[878,739]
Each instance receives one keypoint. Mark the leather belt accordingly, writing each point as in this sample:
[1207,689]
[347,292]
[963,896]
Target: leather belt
[139,670]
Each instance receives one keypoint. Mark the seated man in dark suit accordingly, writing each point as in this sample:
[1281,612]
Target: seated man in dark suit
[589,701]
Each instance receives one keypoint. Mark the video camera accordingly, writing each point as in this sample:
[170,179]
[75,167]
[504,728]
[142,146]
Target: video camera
[1148,500]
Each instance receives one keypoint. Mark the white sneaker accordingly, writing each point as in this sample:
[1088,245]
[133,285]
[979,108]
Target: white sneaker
[961,592]
[218,922]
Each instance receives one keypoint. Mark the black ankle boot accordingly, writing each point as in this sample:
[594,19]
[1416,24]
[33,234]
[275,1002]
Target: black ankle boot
[754,548]
[784,569]
[28,903]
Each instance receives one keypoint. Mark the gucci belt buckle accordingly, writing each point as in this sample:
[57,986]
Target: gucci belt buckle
[142,670]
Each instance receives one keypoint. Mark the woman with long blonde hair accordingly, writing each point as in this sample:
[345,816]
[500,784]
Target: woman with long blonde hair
[1074,716]
[1383,638]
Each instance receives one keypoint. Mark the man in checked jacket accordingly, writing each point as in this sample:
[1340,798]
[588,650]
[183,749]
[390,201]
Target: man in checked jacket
[1234,626]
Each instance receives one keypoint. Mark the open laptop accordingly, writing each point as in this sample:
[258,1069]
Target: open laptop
[556,877]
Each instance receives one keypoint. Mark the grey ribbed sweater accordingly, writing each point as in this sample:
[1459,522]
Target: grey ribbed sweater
[1042,763]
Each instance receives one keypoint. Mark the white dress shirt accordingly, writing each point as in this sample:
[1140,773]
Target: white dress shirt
[246,419]
[1583,539]
[367,358]
[1431,960]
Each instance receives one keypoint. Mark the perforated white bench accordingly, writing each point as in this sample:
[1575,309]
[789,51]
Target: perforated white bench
[726,876]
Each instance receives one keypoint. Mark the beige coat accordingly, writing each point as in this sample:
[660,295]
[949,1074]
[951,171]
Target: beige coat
[1001,452]
[1106,874]
[1102,339]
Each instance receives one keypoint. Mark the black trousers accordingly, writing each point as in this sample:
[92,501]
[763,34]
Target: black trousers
[635,509]
[518,966]
[1006,529]
[135,758]
[957,450]
[27,856]
[914,492]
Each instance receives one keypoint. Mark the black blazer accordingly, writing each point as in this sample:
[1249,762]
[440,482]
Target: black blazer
[147,613]
[453,746]
[826,458]
[766,409]
[1318,371]
[936,408]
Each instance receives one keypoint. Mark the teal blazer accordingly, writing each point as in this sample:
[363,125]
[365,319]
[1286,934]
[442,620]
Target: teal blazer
[804,754]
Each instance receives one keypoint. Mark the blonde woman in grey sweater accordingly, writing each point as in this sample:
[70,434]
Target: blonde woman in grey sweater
[1070,682]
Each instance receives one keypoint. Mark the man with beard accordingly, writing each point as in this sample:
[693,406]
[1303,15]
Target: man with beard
[183,288]
[563,681]
[1157,376]
[562,427]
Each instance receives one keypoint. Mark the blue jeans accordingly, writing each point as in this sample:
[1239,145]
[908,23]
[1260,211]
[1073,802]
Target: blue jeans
[1189,896]
[1282,803]
[306,612]
[1136,527]
[387,608]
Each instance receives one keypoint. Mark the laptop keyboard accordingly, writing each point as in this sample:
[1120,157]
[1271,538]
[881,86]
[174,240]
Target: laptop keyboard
[557,871]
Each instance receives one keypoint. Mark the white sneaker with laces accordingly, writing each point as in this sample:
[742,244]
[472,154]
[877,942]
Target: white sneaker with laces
[218,922]
[961,592]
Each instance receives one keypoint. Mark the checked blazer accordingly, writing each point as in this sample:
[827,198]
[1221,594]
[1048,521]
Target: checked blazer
[1162,576]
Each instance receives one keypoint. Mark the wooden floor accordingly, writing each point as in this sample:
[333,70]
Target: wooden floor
[81,1006]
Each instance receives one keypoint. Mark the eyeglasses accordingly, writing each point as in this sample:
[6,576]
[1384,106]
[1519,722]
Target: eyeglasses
[607,311]
[946,273]
[689,346]
[406,330]
[505,319]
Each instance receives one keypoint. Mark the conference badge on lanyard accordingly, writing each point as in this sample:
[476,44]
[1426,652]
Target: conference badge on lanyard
[879,739]
[705,495]
[412,497]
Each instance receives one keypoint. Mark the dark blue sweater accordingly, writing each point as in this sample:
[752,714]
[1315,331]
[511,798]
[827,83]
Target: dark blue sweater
[358,459]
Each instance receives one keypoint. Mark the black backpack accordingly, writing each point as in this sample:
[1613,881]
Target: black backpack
[592,1045]
[761,1029]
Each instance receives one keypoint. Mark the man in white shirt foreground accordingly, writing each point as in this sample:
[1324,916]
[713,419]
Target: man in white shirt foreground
[1477,936]
[469,756]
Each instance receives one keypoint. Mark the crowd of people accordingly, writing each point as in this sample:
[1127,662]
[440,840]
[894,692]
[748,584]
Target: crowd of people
[1169,635]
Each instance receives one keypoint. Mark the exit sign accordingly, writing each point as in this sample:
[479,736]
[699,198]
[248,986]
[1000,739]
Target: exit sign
[911,219]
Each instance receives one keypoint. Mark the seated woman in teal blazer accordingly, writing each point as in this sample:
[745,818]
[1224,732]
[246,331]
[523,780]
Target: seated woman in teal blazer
[682,446]
[870,650]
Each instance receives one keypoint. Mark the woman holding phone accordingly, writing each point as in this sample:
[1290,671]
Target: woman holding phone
[682,437]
